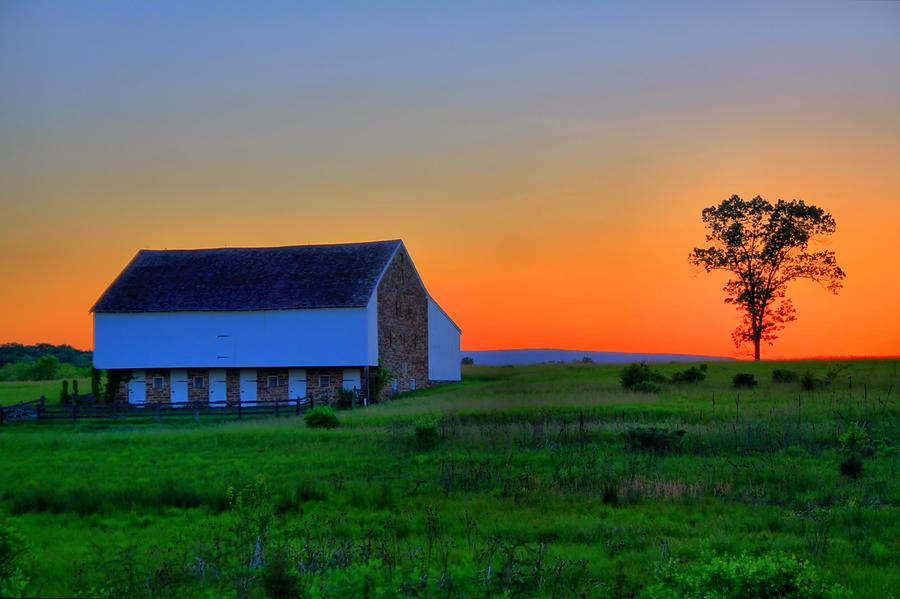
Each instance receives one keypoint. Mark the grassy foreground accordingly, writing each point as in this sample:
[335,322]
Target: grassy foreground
[529,489]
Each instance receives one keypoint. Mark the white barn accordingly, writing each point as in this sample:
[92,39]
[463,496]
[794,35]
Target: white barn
[271,323]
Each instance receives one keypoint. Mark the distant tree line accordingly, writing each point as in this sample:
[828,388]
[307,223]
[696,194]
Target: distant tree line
[42,362]
[66,354]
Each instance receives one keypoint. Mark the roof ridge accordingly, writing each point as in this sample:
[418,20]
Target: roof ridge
[275,247]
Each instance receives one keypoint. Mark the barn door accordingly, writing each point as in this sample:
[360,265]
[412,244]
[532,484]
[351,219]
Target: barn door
[352,379]
[296,383]
[179,395]
[248,386]
[137,387]
[218,389]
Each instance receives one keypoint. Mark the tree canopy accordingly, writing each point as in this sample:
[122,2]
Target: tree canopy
[765,246]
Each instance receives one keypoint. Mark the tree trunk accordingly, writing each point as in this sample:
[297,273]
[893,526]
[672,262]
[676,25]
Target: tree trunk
[756,341]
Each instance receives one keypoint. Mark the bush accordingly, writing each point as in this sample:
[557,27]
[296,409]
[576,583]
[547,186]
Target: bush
[768,576]
[646,387]
[855,444]
[468,361]
[425,435]
[650,438]
[781,375]
[810,383]
[12,547]
[744,380]
[691,375]
[635,374]
[347,398]
[852,466]
[321,417]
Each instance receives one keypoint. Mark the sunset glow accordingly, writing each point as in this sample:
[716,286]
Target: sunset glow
[546,171]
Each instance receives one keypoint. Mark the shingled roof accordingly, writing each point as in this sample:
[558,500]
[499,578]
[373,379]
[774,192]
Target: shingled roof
[245,279]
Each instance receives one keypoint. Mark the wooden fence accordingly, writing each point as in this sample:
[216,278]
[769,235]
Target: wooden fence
[39,411]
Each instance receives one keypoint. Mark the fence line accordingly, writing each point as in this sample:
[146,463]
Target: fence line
[39,411]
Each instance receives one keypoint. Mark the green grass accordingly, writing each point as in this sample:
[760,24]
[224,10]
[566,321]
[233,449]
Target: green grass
[17,392]
[514,477]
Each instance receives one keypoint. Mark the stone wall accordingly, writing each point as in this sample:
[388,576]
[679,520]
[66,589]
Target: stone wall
[232,385]
[276,393]
[198,394]
[158,395]
[403,324]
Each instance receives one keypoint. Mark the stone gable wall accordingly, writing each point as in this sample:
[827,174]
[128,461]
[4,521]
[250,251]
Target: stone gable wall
[403,324]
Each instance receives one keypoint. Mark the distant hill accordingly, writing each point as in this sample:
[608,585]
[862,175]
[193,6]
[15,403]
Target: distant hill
[506,357]
[16,352]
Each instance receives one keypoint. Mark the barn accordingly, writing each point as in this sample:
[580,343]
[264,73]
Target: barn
[274,323]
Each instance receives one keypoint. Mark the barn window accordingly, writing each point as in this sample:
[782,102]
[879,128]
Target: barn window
[198,382]
[324,381]
[158,383]
[271,381]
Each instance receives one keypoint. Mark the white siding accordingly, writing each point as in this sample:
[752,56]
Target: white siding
[179,386]
[296,383]
[137,387]
[352,378]
[443,345]
[372,328]
[218,388]
[248,385]
[320,337]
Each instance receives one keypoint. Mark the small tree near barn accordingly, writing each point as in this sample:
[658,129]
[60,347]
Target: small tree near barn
[764,247]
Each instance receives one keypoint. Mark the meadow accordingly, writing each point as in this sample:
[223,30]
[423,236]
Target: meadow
[525,481]
[21,391]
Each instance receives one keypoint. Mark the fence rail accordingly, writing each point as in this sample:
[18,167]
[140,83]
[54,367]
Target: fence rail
[39,411]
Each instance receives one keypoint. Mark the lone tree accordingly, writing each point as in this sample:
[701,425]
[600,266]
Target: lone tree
[765,247]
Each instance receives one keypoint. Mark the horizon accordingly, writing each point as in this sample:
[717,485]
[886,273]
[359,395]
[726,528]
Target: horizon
[545,167]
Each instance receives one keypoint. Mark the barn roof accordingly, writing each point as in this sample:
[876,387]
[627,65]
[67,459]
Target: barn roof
[246,279]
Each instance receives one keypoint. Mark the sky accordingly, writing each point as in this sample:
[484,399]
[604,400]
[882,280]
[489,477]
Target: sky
[545,163]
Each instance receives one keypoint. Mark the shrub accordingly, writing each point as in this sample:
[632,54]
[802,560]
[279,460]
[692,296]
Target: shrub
[691,375]
[852,466]
[468,361]
[64,392]
[855,444]
[347,397]
[811,383]
[744,380]
[635,374]
[381,380]
[95,384]
[646,387]
[12,547]
[321,417]
[767,576]
[651,438]
[781,375]
[425,434]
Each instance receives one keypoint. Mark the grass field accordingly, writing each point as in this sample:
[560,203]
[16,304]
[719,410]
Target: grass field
[530,488]
[18,392]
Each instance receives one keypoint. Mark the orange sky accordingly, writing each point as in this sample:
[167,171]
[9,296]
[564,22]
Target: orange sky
[548,182]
